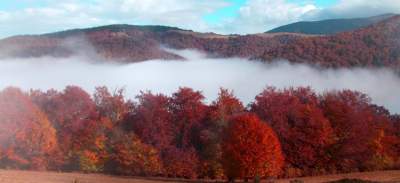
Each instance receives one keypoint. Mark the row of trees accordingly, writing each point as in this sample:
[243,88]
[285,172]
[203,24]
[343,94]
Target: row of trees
[283,133]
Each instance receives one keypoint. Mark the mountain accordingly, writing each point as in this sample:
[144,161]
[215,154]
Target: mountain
[331,26]
[377,45]
[128,43]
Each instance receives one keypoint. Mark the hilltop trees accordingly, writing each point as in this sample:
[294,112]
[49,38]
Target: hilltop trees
[286,133]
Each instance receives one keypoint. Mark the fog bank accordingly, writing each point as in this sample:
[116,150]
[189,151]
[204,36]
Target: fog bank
[246,78]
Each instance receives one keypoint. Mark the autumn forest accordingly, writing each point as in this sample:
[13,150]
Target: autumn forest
[284,133]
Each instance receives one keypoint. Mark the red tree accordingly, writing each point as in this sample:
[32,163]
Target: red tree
[303,130]
[79,127]
[188,111]
[359,133]
[180,162]
[151,120]
[250,149]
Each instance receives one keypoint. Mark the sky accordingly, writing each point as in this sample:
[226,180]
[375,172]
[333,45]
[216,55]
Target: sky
[220,16]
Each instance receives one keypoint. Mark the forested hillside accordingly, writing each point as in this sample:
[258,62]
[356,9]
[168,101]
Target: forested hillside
[283,133]
[377,45]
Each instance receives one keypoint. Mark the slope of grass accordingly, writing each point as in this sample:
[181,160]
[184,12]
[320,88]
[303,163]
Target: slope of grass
[14,176]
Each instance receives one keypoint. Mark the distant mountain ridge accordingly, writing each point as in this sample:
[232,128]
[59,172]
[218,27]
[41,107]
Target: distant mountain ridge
[377,45]
[331,26]
[113,28]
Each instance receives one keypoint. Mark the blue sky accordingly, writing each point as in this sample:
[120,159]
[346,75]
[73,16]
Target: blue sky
[232,10]
[226,12]
[220,16]
[229,11]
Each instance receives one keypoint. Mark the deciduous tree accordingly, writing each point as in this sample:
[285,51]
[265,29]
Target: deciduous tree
[251,148]
[132,157]
[151,120]
[303,130]
[219,114]
[27,138]
[188,112]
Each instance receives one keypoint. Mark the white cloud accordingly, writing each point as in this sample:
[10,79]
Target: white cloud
[3,15]
[70,14]
[38,20]
[262,15]
[356,8]
[253,17]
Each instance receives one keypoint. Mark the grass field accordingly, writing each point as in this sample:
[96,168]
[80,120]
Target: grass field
[379,176]
[11,176]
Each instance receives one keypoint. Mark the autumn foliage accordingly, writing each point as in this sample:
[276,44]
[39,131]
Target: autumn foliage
[251,148]
[283,133]
[27,138]
[304,131]
[132,157]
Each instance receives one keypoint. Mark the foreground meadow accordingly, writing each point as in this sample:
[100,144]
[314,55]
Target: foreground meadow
[13,176]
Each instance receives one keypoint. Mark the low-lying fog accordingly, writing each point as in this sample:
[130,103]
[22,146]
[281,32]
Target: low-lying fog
[246,78]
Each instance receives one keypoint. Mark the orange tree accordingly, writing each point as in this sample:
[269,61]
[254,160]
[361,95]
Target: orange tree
[250,149]
[79,127]
[27,138]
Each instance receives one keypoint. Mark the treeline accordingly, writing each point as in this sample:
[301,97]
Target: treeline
[283,133]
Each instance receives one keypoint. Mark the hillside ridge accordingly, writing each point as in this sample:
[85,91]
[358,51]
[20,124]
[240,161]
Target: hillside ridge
[330,26]
[377,45]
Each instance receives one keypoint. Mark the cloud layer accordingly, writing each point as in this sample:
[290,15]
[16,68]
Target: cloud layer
[246,78]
